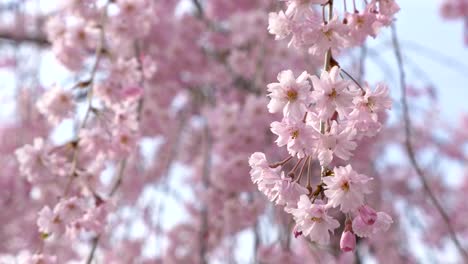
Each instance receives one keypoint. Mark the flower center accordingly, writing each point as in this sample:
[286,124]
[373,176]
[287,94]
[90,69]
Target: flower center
[292,95]
[316,219]
[333,94]
[295,134]
[345,186]
[328,34]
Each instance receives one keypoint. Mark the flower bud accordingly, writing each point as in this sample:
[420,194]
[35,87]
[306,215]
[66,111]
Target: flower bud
[367,214]
[348,241]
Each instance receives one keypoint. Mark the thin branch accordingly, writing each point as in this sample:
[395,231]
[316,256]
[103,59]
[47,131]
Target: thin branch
[199,7]
[206,184]
[410,151]
[93,250]
[15,38]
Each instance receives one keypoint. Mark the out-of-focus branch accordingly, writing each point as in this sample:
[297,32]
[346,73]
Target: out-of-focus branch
[410,151]
[199,7]
[36,39]
[205,184]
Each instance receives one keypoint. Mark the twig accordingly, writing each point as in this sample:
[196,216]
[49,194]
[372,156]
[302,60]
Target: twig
[410,151]
[93,250]
[206,184]
[199,7]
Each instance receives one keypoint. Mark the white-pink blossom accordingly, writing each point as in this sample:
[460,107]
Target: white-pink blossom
[290,95]
[313,221]
[56,104]
[346,188]
[331,94]
[297,135]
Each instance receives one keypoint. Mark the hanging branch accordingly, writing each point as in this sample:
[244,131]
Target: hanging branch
[410,150]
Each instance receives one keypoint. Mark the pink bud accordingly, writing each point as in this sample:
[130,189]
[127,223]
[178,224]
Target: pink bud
[368,215]
[348,241]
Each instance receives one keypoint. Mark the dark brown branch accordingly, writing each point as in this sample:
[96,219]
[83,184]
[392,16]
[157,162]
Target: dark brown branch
[410,151]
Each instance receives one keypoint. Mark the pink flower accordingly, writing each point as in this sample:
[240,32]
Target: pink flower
[347,241]
[298,136]
[37,163]
[56,104]
[288,191]
[346,188]
[312,220]
[258,163]
[50,223]
[265,177]
[290,95]
[298,7]
[65,212]
[362,25]
[368,106]
[329,36]
[338,141]
[363,229]
[279,25]
[331,94]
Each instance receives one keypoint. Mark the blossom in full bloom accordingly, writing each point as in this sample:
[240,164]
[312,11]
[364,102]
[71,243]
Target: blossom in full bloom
[312,220]
[279,25]
[289,95]
[288,191]
[346,188]
[330,35]
[368,106]
[265,177]
[56,104]
[297,135]
[37,163]
[339,141]
[330,94]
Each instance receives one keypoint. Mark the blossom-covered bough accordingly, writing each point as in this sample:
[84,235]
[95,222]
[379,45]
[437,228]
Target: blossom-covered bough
[324,118]
[132,140]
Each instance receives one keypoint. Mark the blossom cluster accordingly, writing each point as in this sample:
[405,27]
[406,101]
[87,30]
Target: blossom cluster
[324,119]
[456,9]
[307,29]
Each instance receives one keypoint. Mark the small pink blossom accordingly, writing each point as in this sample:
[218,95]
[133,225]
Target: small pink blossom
[288,191]
[279,25]
[298,136]
[312,220]
[346,188]
[339,141]
[331,94]
[56,104]
[330,35]
[290,95]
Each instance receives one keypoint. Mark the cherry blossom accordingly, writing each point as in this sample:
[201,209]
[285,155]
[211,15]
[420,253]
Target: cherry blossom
[313,221]
[346,188]
[56,104]
[290,95]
